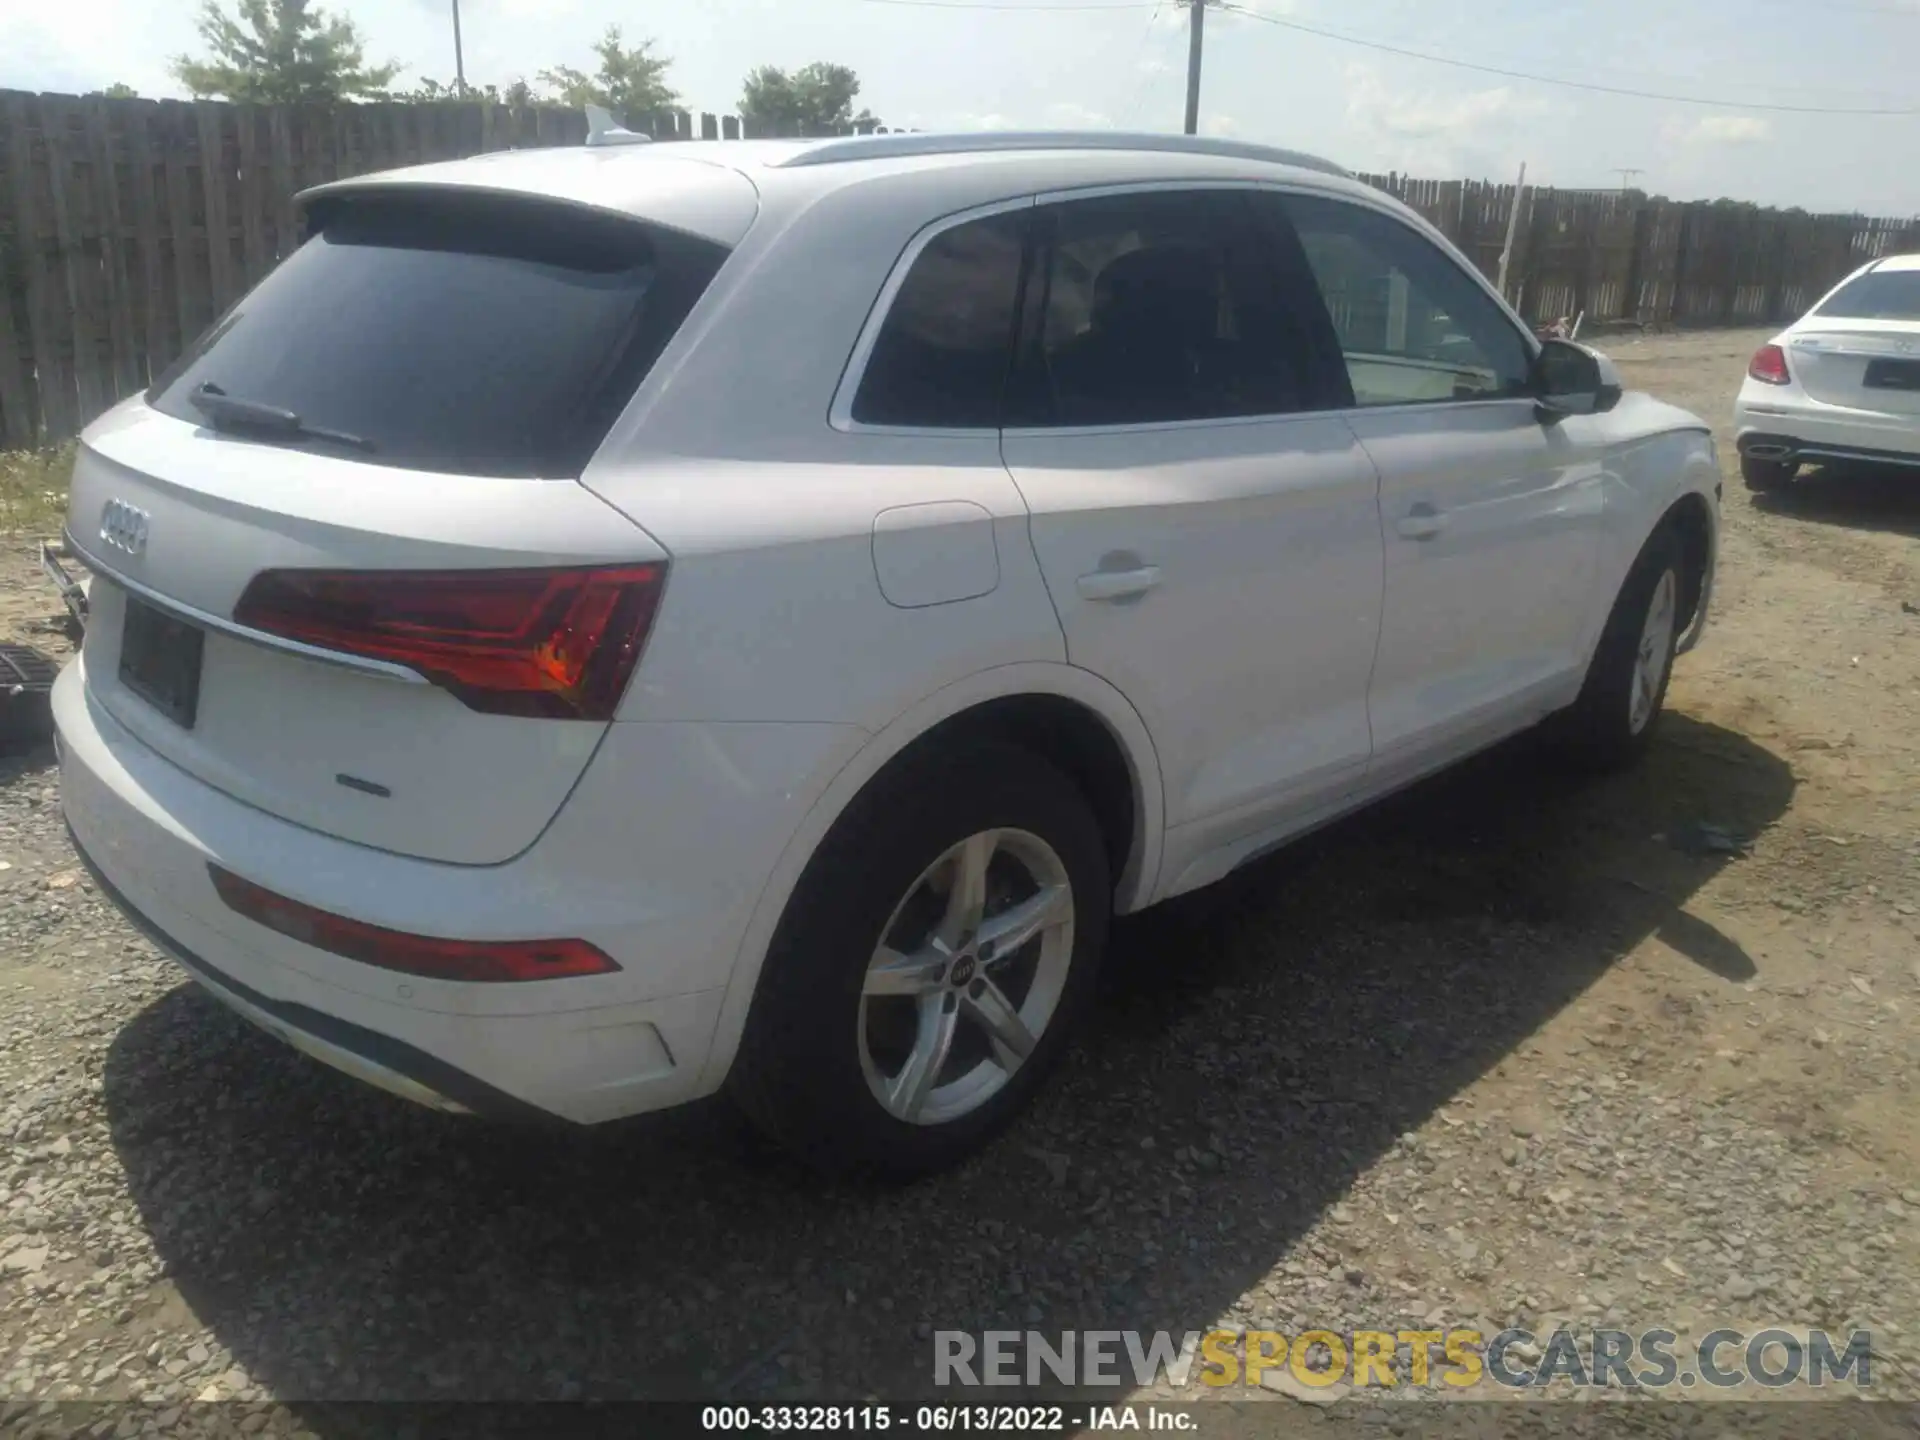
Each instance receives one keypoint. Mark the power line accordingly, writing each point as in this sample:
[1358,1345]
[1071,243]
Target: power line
[1542,79]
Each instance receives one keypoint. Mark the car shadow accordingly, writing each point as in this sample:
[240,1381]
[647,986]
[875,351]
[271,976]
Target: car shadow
[1860,497]
[1256,1047]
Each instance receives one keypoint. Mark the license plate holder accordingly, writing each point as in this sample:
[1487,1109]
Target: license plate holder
[160,661]
[1893,375]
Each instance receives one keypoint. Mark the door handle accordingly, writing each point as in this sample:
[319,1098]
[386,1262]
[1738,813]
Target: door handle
[1118,584]
[1423,522]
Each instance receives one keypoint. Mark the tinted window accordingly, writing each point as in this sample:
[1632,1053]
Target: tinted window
[1412,324]
[1156,307]
[478,336]
[941,357]
[1877,295]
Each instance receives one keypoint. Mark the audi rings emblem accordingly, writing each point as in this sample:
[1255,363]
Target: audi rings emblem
[124,526]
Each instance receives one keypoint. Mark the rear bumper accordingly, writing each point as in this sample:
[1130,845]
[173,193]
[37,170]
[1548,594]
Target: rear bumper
[1773,426]
[657,859]
[367,1055]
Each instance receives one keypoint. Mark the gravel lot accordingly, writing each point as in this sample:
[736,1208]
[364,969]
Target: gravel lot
[1507,1050]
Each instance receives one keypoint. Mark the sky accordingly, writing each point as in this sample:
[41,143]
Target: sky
[1100,64]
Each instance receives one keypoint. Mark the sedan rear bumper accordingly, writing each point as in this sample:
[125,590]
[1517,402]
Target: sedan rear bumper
[1760,445]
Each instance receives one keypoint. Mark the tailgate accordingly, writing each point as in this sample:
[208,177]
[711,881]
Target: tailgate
[170,512]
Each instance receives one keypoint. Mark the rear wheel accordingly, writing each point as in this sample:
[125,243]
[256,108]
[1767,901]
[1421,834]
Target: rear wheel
[1612,722]
[1764,475]
[930,966]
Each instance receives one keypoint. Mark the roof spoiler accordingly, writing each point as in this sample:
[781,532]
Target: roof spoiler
[601,130]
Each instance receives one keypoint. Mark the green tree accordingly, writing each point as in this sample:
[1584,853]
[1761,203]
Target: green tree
[816,99]
[119,90]
[277,51]
[518,95]
[631,81]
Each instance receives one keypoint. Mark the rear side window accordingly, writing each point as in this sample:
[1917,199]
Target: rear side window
[941,356]
[1158,307]
[476,335]
[1876,295]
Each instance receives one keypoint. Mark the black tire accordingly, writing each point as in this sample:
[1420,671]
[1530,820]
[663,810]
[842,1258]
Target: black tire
[800,1074]
[1764,475]
[1597,732]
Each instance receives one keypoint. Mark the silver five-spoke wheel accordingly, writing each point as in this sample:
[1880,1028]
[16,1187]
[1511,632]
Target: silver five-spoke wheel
[1655,653]
[968,974]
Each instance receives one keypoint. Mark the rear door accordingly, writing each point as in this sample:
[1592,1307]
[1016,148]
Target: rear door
[1860,347]
[1210,538]
[389,429]
[1490,517]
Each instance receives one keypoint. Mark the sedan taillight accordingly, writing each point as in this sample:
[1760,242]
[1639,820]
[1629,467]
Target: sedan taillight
[1769,366]
[555,644]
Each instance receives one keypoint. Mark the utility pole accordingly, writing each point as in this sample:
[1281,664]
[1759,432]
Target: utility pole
[459,62]
[1626,174]
[1197,26]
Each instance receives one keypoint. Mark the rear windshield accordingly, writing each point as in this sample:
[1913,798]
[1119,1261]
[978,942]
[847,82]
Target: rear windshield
[1877,295]
[476,335]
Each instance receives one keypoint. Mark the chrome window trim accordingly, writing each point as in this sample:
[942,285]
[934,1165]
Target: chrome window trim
[840,414]
[207,620]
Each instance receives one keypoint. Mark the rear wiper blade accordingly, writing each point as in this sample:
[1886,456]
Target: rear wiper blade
[232,413]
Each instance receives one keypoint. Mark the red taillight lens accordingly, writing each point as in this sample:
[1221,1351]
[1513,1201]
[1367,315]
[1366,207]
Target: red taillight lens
[1769,364]
[559,644]
[485,961]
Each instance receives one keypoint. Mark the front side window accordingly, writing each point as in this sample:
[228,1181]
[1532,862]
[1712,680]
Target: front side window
[1413,326]
[941,356]
[1152,308]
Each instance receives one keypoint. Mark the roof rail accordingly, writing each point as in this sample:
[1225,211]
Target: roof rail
[880,147]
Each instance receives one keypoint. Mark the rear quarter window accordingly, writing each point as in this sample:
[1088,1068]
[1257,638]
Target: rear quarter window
[474,335]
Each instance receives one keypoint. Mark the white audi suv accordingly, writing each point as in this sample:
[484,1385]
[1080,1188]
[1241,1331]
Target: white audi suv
[595,628]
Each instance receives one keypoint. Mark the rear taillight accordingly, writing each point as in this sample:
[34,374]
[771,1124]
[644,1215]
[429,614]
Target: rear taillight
[1769,365]
[481,961]
[558,644]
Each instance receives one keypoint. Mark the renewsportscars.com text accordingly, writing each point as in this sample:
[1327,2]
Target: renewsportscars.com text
[1648,1359]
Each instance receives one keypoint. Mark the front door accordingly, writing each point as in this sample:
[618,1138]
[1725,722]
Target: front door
[1207,525]
[1490,516]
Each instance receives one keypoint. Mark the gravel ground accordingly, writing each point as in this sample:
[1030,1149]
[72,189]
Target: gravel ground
[1507,1050]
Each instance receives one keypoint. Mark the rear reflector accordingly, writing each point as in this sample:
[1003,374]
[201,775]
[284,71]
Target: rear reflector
[1769,365]
[480,961]
[556,644]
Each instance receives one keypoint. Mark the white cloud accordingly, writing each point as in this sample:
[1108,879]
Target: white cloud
[1723,130]
[1439,133]
[1371,104]
[1220,124]
[1066,115]
[992,121]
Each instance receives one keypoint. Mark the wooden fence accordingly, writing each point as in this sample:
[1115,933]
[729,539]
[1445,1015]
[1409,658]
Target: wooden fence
[127,226]
[1621,256]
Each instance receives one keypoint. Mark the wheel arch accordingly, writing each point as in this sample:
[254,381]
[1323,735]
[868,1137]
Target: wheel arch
[1049,707]
[1674,482]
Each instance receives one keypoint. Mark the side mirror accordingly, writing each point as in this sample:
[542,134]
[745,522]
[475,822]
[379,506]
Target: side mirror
[1571,379]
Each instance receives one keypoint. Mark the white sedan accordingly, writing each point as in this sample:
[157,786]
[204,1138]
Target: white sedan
[1840,383]
[596,627]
